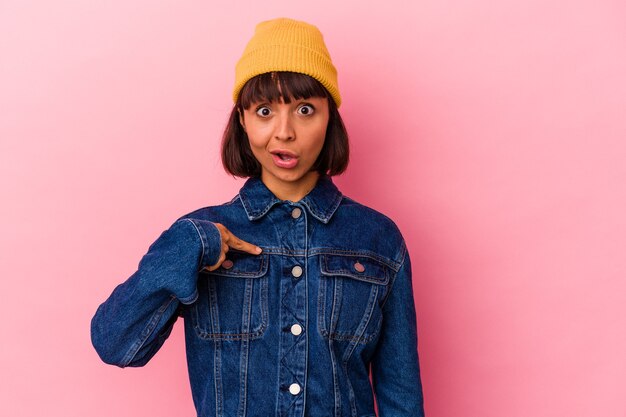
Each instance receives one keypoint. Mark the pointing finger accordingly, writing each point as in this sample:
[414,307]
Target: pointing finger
[235,242]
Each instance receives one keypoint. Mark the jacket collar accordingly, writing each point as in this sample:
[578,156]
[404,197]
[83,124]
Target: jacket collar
[321,201]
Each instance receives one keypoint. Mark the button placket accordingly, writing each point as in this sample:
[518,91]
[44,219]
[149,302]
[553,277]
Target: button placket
[293,312]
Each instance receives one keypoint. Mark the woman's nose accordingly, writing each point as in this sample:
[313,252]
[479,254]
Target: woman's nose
[284,129]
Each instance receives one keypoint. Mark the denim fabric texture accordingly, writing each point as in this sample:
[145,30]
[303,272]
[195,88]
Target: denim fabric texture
[293,331]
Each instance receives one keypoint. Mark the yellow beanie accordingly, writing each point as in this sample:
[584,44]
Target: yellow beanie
[287,45]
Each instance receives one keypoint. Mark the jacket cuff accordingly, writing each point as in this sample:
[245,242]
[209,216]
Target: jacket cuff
[211,240]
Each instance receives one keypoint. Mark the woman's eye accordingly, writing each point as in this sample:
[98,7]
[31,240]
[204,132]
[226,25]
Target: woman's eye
[263,111]
[306,109]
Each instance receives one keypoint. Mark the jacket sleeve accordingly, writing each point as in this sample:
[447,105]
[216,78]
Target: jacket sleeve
[395,364]
[133,323]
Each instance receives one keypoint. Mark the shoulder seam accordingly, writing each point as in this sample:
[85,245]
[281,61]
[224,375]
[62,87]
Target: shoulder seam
[404,251]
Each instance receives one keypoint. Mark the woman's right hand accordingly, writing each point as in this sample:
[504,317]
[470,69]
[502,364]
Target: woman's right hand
[229,240]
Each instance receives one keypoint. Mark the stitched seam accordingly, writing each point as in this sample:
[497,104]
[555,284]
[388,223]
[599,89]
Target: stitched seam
[254,274]
[269,250]
[191,299]
[146,332]
[363,253]
[201,241]
[393,280]
[253,334]
[325,270]
[231,336]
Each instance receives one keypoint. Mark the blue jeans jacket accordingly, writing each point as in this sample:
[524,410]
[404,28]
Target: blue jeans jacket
[293,331]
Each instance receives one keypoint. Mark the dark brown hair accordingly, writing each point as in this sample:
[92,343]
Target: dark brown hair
[237,157]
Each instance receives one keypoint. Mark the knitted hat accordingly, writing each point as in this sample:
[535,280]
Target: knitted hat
[287,45]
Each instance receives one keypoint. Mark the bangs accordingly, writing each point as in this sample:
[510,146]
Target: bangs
[274,86]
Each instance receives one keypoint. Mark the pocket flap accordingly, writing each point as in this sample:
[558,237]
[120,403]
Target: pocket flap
[363,268]
[240,264]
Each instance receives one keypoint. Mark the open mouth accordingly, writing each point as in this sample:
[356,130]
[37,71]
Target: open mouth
[284,159]
[284,155]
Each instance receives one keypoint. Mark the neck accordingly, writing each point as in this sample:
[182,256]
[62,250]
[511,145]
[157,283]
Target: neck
[293,191]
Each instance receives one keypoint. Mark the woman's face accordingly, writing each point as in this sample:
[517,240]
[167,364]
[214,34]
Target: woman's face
[286,139]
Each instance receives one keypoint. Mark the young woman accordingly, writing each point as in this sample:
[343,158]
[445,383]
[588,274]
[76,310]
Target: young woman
[291,292]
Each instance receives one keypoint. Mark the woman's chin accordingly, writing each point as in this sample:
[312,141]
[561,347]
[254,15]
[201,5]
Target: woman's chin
[289,176]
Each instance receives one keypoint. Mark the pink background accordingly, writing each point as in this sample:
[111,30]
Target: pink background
[491,132]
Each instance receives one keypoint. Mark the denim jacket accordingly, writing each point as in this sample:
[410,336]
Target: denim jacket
[293,331]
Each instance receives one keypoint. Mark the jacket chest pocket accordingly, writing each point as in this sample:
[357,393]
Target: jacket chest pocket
[351,287]
[232,304]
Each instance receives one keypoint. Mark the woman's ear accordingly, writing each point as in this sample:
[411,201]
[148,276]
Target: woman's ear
[241,121]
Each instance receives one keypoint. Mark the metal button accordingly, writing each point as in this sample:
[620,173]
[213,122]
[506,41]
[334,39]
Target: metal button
[294,389]
[359,266]
[296,271]
[227,264]
[295,213]
[296,329]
